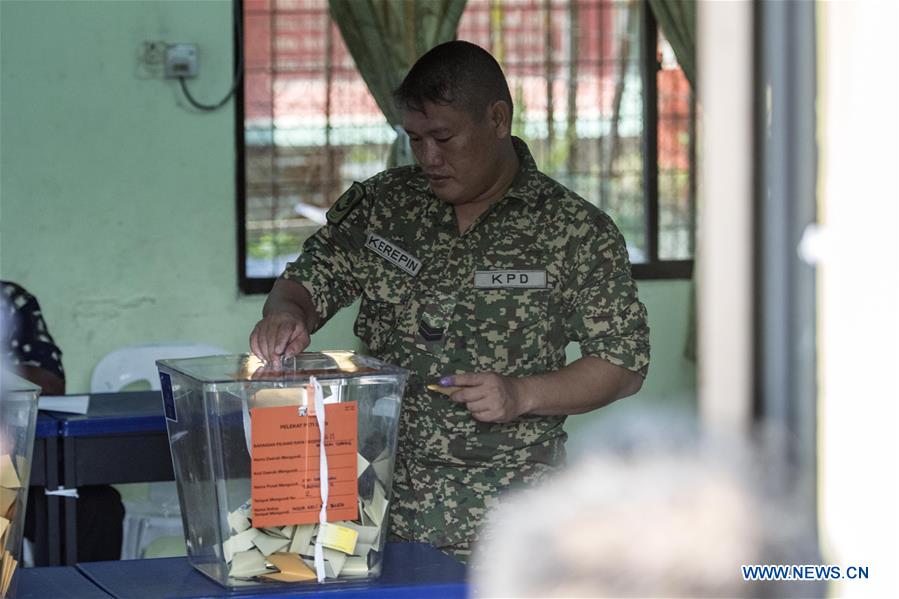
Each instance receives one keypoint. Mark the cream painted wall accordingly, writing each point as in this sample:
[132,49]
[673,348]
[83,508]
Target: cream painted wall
[117,199]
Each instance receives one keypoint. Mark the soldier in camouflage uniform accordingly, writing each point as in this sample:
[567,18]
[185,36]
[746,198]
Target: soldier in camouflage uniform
[475,271]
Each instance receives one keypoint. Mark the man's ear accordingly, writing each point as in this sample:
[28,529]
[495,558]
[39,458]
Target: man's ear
[500,115]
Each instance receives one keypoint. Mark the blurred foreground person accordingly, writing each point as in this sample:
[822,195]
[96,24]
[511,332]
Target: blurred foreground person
[651,514]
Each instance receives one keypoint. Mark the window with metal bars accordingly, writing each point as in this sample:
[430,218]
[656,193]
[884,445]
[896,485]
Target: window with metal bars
[598,96]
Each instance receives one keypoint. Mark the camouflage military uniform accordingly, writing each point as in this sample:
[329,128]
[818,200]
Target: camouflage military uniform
[540,268]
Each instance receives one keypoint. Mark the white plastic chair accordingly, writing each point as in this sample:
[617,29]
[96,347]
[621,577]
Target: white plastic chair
[157,514]
[127,365]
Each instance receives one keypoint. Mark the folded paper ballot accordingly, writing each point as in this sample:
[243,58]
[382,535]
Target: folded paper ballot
[275,531]
[361,464]
[242,541]
[247,564]
[366,534]
[378,506]
[7,498]
[285,554]
[334,561]
[8,476]
[269,544]
[7,569]
[443,390]
[71,404]
[10,489]
[238,521]
[302,538]
[355,566]
[339,538]
[291,568]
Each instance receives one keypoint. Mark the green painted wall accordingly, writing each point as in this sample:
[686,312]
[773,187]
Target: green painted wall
[117,199]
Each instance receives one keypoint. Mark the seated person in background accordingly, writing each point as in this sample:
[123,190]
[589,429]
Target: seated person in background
[30,351]
[27,345]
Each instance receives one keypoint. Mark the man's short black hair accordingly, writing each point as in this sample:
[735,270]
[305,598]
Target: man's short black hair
[456,73]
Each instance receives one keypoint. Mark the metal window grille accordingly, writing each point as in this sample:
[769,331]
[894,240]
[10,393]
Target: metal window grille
[575,69]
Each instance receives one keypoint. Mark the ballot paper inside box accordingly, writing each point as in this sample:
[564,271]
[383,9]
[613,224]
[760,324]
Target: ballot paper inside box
[250,456]
[18,414]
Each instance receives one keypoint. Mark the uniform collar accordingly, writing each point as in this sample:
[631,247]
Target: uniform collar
[527,184]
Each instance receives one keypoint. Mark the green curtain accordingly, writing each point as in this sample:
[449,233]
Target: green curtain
[677,20]
[386,37]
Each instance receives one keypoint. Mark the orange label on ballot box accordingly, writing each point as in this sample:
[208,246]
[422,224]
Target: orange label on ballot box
[285,471]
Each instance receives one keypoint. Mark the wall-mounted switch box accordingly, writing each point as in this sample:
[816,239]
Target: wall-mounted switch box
[180,60]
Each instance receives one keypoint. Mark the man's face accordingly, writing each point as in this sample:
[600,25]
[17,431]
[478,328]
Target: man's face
[458,153]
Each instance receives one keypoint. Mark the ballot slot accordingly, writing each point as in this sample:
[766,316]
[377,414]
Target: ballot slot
[247,451]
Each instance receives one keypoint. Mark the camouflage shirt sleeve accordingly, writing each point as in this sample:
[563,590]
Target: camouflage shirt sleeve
[329,265]
[604,315]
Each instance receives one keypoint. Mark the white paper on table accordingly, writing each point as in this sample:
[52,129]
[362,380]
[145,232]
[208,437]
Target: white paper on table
[71,404]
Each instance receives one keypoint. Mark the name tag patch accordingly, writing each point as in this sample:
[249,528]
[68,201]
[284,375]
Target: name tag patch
[502,279]
[393,254]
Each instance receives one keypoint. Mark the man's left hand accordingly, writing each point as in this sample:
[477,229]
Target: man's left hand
[490,397]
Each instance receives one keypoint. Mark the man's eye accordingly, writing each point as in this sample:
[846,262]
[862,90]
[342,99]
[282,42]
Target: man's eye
[443,139]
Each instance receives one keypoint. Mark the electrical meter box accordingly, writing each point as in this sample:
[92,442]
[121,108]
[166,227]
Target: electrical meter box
[18,415]
[283,470]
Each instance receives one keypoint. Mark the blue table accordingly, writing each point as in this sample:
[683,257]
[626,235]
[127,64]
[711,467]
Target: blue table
[411,571]
[46,432]
[45,475]
[121,439]
[56,583]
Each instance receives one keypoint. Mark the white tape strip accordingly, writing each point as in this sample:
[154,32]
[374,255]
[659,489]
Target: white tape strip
[247,424]
[63,492]
[323,475]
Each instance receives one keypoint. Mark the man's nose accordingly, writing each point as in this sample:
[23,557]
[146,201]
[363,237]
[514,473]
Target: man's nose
[430,154]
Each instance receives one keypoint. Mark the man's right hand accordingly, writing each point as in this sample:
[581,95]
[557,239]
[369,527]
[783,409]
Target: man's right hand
[288,317]
[279,335]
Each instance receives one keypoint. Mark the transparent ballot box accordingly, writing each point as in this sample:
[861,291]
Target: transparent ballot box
[246,441]
[18,414]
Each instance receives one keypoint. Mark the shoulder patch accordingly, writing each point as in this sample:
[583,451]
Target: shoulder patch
[345,203]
